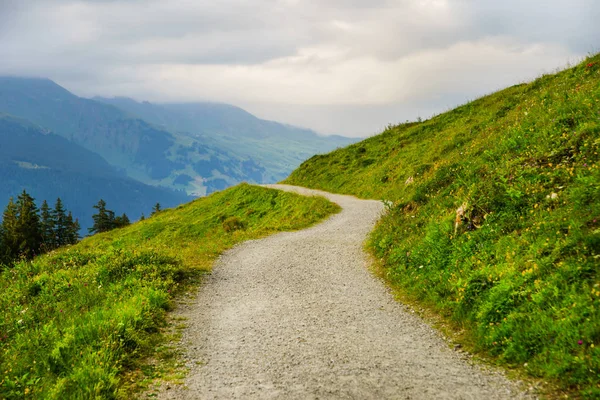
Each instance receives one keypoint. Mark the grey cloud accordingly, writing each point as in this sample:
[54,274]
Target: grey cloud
[573,23]
[344,49]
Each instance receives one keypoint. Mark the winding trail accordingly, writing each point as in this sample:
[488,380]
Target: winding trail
[297,315]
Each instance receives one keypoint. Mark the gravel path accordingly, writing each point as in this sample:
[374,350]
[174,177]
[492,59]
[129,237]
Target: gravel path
[299,316]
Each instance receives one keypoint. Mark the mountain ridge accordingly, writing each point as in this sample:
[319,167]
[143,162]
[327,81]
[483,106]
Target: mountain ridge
[146,153]
[279,147]
[195,147]
[49,166]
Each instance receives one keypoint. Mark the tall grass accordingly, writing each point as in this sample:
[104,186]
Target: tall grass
[75,320]
[520,271]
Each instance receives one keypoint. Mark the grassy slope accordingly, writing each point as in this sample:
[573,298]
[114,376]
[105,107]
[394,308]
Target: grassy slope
[521,272]
[73,321]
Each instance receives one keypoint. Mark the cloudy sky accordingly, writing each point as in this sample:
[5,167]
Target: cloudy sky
[337,66]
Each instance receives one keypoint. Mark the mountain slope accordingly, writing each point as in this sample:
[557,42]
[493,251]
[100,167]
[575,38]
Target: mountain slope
[49,166]
[494,219]
[279,147]
[145,152]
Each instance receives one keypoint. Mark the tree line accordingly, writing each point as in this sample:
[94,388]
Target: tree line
[105,219]
[27,231]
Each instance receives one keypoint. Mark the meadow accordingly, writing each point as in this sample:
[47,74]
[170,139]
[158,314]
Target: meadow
[79,321]
[493,221]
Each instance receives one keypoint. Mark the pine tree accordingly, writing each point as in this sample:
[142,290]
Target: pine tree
[2,248]
[73,229]
[122,221]
[61,225]
[10,248]
[104,220]
[125,219]
[29,235]
[47,228]
[155,209]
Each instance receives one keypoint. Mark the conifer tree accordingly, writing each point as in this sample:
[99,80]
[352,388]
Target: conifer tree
[47,227]
[10,248]
[61,225]
[155,209]
[125,220]
[121,221]
[29,235]
[103,220]
[73,229]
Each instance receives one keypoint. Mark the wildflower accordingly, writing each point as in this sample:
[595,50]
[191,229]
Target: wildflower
[580,342]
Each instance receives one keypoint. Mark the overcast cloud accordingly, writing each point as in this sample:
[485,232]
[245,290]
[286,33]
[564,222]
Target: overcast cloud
[348,67]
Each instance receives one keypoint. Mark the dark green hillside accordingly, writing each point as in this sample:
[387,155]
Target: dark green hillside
[494,219]
[49,166]
[145,152]
[24,142]
[280,148]
[77,322]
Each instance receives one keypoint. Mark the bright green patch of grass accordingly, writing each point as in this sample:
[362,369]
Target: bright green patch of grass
[521,271]
[75,320]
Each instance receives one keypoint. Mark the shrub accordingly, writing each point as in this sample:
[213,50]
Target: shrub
[233,224]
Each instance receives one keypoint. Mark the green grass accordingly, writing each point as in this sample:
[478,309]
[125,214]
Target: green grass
[521,271]
[76,321]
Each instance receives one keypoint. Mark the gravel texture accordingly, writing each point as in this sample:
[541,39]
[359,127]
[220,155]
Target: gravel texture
[298,315]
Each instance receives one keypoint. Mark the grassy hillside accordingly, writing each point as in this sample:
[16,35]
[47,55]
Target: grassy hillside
[76,319]
[519,171]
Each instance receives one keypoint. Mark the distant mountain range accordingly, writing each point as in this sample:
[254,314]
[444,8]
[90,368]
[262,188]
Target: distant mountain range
[134,154]
[49,166]
[279,148]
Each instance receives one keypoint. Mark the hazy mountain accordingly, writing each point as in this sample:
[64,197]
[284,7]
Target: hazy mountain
[279,147]
[49,166]
[143,151]
[199,147]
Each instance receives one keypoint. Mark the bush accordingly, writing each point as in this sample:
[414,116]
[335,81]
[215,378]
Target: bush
[233,224]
